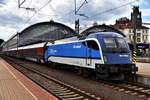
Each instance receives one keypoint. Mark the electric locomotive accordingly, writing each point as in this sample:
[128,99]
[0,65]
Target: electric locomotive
[106,53]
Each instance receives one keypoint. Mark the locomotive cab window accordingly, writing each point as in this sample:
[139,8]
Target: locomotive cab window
[110,43]
[121,43]
[115,45]
[93,45]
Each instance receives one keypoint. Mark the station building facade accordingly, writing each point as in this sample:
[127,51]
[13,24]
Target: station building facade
[126,26]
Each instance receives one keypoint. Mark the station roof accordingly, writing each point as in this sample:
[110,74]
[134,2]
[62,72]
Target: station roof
[44,31]
[51,23]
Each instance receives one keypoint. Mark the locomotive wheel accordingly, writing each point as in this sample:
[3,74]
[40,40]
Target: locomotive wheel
[38,60]
[86,72]
[79,71]
[131,77]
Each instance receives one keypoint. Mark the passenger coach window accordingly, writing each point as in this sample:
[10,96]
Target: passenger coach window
[92,44]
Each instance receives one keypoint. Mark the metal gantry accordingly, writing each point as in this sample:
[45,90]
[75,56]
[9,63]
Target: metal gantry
[21,3]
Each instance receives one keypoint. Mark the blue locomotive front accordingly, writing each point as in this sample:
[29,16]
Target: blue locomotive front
[116,55]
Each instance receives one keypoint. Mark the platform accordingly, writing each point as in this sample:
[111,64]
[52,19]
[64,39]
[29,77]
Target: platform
[143,69]
[143,59]
[15,86]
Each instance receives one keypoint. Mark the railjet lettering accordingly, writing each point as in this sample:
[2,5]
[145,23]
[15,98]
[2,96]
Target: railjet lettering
[123,55]
[77,46]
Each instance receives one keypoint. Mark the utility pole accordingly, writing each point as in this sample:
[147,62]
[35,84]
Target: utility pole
[77,22]
[75,7]
[77,25]
[134,22]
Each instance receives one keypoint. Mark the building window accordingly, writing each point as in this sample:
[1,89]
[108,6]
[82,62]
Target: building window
[138,29]
[130,37]
[146,31]
[138,39]
[138,34]
[143,31]
[146,38]
[130,31]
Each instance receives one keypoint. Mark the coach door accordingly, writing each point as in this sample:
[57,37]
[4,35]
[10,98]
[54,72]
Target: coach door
[88,53]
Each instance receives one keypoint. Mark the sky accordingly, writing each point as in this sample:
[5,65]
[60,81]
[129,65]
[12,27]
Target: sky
[14,19]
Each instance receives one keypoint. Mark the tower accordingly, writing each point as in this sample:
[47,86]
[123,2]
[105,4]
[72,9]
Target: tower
[136,16]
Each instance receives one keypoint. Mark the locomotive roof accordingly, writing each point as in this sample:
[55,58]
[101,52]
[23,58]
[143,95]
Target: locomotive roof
[101,28]
[105,34]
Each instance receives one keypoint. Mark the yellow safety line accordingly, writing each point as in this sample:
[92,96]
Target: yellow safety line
[20,82]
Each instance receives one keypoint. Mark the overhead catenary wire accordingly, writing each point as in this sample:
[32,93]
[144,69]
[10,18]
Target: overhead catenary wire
[28,20]
[109,10]
[76,10]
[51,7]
[29,3]
[73,11]
[38,10]
[103,12]
[21,3]
[28,7]
[93,16]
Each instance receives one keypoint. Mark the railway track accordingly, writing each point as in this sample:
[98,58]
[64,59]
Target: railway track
[61,90]
[132,88]
[138,89]
[67,92]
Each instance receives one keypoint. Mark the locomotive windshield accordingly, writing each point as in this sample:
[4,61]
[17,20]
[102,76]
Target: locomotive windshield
[115,45]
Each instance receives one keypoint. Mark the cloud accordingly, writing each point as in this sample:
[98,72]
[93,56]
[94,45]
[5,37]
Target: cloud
[11,20]
[15,19]
[6,32]
[2,1]
[65,10]
[146,12]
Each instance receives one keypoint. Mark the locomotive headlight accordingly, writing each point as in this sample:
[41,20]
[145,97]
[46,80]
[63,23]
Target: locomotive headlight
[130,58]
[105,58]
